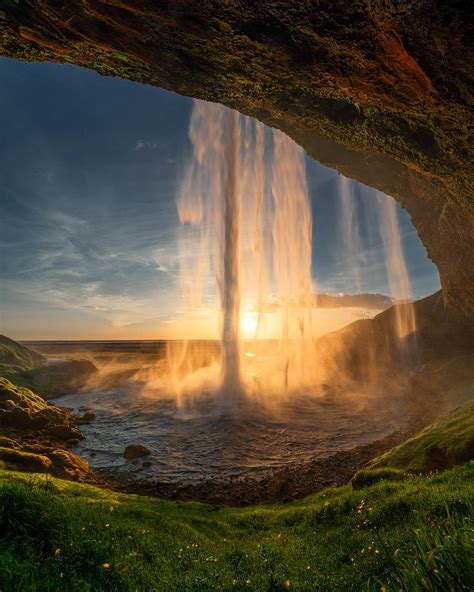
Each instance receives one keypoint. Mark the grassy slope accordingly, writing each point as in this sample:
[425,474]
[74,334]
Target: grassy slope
[447,442]
[57,535]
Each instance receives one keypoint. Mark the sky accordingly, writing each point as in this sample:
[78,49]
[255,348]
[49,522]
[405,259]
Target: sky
[90,167]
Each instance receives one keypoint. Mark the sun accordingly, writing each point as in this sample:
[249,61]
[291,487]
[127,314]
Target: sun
[248,324]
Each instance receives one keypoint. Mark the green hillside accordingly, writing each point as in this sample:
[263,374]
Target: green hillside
[449,441]
[15,357]
[412,534]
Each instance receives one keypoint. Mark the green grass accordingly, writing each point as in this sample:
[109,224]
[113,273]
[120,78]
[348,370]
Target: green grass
[408,534]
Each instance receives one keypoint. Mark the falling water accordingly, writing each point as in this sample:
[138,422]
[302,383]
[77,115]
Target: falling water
[246,235]
[350,243]
[388,233]
[405,322]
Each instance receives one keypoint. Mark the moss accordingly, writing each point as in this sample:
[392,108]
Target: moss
[25,461]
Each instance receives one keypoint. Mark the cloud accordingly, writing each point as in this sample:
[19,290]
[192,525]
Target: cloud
[145,145]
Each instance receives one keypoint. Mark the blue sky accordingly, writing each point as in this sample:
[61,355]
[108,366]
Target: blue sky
[89,168]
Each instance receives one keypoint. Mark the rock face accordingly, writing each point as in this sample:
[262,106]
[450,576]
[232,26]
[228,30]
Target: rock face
[379,90]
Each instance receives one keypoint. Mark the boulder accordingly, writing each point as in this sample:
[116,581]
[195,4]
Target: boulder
[87,417]
[134,451]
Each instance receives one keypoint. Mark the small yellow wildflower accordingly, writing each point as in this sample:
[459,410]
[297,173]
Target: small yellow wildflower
[57,552]
[288,584]
[106,565]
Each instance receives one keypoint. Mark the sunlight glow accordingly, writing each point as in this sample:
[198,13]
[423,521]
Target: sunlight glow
[248,325]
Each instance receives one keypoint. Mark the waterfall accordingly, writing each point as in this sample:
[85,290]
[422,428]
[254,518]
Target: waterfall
[245,237]
[384,228]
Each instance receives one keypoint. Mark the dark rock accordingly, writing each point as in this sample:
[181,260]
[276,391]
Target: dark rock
[87,417]
[134,451]
[66,432]
[147,464]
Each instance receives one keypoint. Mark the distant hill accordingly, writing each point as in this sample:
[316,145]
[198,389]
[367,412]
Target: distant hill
[15,357]
[28,368]
[438,357]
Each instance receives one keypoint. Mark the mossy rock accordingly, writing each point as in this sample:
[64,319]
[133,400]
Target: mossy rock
[68,464]
[25,461]
[6,442]
[22,409]
[13,395]
[66,433]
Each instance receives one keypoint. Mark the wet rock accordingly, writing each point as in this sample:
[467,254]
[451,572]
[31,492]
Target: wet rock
[25,461]
[87,417]
[134,451]
[147,464]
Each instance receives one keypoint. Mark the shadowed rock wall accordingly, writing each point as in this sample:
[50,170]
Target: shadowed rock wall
[379,89]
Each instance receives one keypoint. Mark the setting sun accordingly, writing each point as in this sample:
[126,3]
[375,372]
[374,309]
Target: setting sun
[248,324]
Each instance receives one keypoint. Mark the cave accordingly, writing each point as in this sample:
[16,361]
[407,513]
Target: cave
[380,91]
